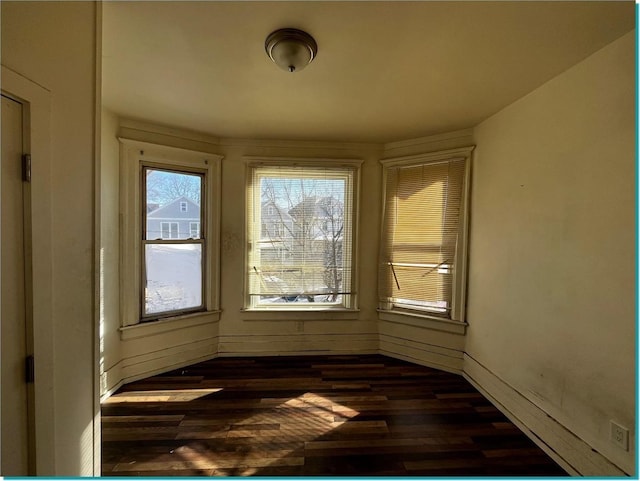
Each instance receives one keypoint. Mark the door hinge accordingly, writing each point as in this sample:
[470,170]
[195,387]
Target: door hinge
[26,168]
[30,370]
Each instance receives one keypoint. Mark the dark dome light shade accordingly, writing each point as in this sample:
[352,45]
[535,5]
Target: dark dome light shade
[291,49]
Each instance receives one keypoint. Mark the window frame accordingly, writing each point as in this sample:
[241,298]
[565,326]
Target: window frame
[351,165]
[134,157]
[459,282]
[144,224]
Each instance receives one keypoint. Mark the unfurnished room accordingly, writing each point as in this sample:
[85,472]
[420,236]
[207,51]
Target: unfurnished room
[309,238]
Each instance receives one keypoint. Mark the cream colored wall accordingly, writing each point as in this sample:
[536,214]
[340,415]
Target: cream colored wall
[110,348]
[53,44]
[551,286]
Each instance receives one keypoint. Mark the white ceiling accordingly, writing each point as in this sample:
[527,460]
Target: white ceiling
[385,71]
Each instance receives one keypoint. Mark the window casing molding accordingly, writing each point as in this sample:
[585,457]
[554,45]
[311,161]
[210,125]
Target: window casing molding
[350,165]
[133,156]
[459,282]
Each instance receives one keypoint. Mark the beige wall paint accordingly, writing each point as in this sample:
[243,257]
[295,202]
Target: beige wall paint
[551,287]
[46,42]
[110,349]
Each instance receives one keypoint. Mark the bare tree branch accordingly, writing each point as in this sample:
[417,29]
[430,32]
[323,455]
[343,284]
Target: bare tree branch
[164,187]
[304,224]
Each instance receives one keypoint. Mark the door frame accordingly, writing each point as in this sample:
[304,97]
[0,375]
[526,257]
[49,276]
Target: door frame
[36,101]
[25,268]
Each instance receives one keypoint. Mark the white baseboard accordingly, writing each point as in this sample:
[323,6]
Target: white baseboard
[294,345]
[420,361]
[422,353]
[570,452]
[152,363]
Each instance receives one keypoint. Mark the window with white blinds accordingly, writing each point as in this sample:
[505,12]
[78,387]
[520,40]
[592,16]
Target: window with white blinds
[301,234]
[422,262]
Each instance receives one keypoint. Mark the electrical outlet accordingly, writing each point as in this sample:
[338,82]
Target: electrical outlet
[619,436]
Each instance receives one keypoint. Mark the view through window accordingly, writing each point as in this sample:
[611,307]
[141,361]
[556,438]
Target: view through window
[173,243]
[301,237]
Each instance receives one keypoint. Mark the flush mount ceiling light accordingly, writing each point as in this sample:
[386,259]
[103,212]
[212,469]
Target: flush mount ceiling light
[291,49]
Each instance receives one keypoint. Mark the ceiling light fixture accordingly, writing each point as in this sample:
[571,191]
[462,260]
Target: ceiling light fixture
[291,49]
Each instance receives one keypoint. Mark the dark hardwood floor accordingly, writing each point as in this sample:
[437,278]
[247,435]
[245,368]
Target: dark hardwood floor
[318,415]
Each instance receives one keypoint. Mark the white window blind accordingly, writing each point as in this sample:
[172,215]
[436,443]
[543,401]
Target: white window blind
[300,236]
[421,233]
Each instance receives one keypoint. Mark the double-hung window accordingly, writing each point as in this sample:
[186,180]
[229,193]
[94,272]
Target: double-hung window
[172,263]
[423,247]
[301,234]
[169,237]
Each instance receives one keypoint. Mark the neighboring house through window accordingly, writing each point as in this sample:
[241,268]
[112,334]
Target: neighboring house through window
[294,262]
[423,254]
[172,267]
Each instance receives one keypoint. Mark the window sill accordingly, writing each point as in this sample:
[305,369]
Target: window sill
[162,326]
[328,314]
[424,321]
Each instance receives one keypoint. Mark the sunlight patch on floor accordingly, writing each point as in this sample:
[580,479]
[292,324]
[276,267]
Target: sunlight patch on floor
[290,423]
[169,395]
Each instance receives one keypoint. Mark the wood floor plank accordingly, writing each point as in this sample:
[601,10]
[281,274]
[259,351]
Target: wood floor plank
[143,419]
[311,416]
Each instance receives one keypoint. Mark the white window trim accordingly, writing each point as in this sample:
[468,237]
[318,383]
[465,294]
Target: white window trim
[355,164]
[459,287]
[186,206]
[132,155]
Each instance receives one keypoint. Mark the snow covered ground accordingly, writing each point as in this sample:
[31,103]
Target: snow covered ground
[174,280]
